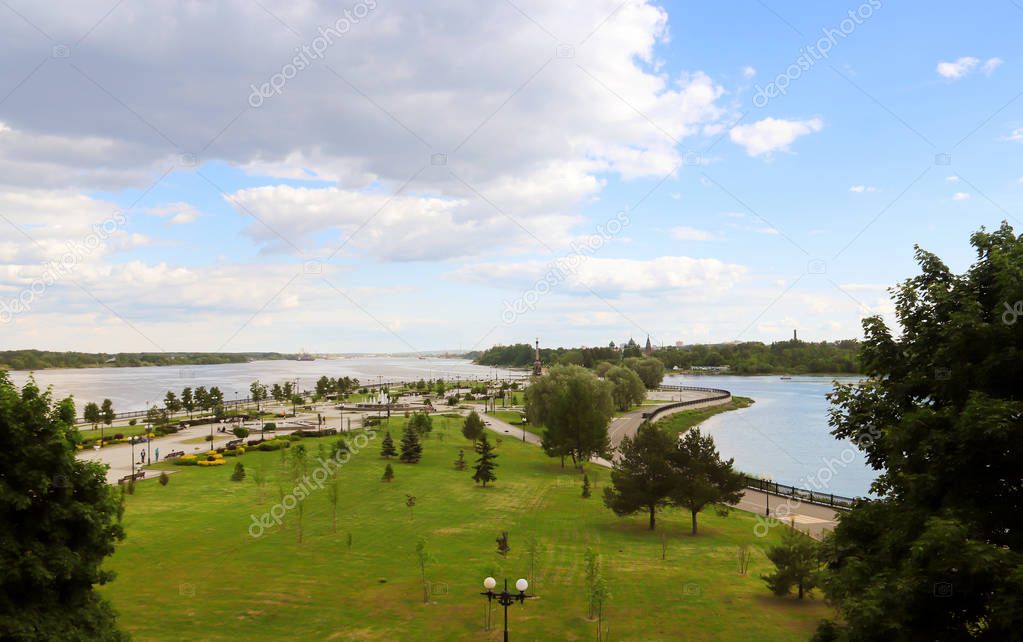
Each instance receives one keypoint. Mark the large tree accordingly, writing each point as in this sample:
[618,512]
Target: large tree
[57,524]
[649,369]
[642,479]
[702,477]
[939,552]
[574,406]
[485,465]
[628,389]
[411,448]
[472,427]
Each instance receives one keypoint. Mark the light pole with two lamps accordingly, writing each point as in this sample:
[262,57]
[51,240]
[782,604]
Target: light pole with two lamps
[505,598]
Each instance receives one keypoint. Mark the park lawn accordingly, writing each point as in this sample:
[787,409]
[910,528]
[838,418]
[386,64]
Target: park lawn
[189,569]
[680,422]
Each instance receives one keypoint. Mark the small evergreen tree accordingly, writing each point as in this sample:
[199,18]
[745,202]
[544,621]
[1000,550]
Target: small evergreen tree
[485,465]
[239,472]
[387,449]
[795,562]
[473,427]
[164,478]
[421,422]
[586,486]
[388,473]
[411,449]
[460,462]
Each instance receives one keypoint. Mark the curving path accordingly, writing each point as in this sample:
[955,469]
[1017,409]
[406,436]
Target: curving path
[628,424]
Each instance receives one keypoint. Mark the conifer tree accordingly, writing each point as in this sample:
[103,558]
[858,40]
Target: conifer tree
[387,449]
[485,465]
[411,449]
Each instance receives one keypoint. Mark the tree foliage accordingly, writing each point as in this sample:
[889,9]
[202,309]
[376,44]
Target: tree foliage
[485,465]
[649,369]
[628,389]
[387,449]
[411,448]
[57,524]
[473,426]
[795,564]
[642,478]
[574,406]
[941,418]
[702,477]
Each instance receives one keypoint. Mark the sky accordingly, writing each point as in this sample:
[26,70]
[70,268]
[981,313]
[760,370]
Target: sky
[397,176]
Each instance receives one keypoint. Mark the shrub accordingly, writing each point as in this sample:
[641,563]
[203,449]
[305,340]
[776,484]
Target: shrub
[207,462]
[270,426]
[132,422]
[208,437]
[187,460]
[292,437]
[118,435]
[164,478]
[240,433]
[239,472]
[273,444]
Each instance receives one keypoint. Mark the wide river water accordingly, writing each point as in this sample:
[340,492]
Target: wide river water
[783,436]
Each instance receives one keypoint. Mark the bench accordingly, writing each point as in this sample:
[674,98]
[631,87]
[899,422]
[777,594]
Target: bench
[174,455]
[139,475]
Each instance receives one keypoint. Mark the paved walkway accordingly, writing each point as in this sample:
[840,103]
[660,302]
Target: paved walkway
[628,424]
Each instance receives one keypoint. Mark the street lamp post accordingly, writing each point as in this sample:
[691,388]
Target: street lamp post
[505,598]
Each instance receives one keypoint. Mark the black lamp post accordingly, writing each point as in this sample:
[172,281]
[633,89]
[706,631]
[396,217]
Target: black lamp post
[505,598]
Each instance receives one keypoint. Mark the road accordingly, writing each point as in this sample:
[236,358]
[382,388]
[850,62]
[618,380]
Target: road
[628,424]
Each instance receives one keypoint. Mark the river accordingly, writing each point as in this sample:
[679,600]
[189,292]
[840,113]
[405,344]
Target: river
[132,388]
[785,435]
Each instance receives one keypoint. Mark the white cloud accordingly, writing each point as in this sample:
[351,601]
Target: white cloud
[859,189]
[177,213]
[612,277]
[748,72]
[959,68]
[966,65]
[772,134]
[961,196]
[1015,136]
[683,233]
[952,179]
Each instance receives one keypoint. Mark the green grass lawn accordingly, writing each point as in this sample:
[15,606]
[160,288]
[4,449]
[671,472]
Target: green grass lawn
[680,422]
[189,570]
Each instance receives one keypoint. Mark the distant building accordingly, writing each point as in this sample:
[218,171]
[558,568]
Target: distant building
[711,368]
[649,349]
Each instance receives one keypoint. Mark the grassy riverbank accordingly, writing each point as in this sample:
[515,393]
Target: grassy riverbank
[190,570]
[680,422]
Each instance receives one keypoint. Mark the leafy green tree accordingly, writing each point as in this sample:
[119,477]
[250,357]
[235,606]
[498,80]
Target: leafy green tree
[257,392]
[795,563]
[202,398]
[642,478]
[600,368]
[92,414]
[411,448]
[628,389]
[107,412]
[187,400]
[939,552]
[57,524]
[171,403]
[421,422]
[701,477]
[575,408]
[485,465]
[216,397]
[240,432]
[387,449]
[472,427]
[649,369]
